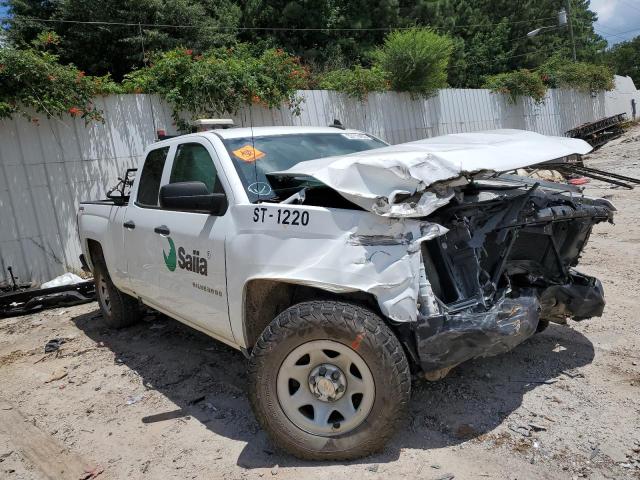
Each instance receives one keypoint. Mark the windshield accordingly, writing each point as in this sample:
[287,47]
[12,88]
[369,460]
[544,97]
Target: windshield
[257,156]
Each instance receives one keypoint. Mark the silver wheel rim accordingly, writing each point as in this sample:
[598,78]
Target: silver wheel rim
[103,296]
[325,388]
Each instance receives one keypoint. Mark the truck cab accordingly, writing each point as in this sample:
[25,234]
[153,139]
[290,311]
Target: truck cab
[173,257]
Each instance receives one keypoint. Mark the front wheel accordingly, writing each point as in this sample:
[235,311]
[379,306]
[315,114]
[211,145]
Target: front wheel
[329,381]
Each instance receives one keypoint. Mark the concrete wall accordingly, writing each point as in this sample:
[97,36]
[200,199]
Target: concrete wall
[618,100]
[46,169]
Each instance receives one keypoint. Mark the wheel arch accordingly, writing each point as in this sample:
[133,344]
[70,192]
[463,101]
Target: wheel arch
[94,251]
[264,299]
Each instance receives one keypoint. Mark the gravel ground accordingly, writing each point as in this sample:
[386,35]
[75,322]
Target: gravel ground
[160,400]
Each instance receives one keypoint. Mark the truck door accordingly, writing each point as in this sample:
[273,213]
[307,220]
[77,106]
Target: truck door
[192,275]
[141,243]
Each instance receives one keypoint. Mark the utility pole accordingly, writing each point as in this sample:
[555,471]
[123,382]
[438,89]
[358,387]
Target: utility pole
[573,41]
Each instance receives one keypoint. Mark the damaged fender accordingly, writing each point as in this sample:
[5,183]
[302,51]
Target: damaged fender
[338,251]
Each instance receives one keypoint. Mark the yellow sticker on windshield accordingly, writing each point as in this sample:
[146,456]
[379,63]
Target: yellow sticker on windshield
[248,153]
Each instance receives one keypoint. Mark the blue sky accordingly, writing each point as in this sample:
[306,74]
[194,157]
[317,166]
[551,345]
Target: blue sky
[618,20]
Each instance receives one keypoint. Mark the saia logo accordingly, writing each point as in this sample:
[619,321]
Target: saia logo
[191,262]
[170,260]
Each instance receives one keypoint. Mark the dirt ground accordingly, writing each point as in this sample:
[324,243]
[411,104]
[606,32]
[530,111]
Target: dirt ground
[160,400]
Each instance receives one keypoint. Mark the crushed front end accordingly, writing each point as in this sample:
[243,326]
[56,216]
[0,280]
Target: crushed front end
[489,257]
[504,269]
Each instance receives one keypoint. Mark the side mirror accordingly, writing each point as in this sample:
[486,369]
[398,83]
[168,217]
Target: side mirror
[193,197]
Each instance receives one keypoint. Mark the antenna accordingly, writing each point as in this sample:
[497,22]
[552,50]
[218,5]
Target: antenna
[253,146]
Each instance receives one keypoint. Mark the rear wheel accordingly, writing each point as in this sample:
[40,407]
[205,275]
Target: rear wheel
[118,309]
[329,381]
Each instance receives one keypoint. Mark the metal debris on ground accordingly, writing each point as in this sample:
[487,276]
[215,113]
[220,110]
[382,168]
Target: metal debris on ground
[53,345]
[196,400]
[521,429]
[17,298]
[599,132]
[58,374]
[550,381]
[446,476]
[537,428]
[577,169]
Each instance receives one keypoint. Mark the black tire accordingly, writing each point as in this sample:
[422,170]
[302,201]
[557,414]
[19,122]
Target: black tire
[118,309]
[364,333]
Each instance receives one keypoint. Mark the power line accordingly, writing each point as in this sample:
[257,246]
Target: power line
[541,50]
[618,34]
[220,27]
[629,5]
[285,29]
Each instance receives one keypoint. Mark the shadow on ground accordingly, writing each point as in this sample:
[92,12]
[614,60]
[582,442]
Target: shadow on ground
[207,381]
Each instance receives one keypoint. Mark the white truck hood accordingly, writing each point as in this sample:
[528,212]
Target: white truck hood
[414,179]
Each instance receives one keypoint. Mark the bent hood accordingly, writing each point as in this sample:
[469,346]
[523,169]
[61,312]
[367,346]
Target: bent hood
[414,179]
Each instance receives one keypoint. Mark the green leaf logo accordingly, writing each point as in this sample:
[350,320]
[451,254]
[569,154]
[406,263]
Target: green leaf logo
[170,260]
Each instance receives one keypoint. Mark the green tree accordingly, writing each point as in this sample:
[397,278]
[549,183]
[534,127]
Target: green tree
[356,82]
[520,83]
[221,80]
[494,33]
[588,77]
[624,58]
[337,49]
[416,60]
[489,36]
[32,79]
[117,49]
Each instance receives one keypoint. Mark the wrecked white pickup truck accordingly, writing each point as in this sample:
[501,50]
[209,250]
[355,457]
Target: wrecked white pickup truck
[340,265]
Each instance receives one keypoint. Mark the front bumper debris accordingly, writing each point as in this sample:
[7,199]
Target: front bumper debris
[447,340]
[505,264]
[579,299]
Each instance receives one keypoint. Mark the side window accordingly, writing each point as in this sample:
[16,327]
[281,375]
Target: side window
[193,163]
[151,176]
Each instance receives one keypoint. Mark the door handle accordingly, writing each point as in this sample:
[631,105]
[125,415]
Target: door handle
[162,230]
[129,225]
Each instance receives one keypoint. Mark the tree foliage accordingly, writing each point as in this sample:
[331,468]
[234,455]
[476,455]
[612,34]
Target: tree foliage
[554,73]
[117,49]
[519,83]
[356,82]
[416,60]
[353,46]
[588,77]
[221,80]
[316,44]
[492,34]
[624,58]
[32,79]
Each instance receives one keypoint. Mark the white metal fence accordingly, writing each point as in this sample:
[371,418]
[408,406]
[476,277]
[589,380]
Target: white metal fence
[46,169]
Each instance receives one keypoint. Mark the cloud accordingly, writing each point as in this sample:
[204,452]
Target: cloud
[618,20]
